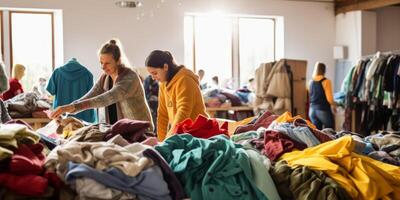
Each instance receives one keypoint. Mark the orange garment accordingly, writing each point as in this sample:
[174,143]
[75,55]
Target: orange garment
[287,117]
[180,99]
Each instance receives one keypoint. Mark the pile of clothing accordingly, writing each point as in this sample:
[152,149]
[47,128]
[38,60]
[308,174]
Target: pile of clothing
[22,173]
[27,105]
[267,157]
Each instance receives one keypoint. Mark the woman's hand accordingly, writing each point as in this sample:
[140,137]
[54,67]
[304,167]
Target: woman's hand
[61,110]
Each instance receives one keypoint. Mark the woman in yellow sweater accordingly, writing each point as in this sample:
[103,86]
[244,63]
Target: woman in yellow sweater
[179,94]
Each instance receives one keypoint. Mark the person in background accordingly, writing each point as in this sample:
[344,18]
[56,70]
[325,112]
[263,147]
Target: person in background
[321,99]
[203,84]
[15,86]
[40,88]
[179,96]
[4,116]
[119,90]
[151,90]
[215,81]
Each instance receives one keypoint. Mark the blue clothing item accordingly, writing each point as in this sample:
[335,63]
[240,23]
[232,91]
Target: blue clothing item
[69,83]
[321,118]
[148,185]
[339,97]
[287,129]
[368,148]
[244,96]
[306,136]
[300,134]
[317,96]
[213,168]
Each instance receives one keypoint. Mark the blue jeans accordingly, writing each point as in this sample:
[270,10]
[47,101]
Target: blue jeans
[322,118]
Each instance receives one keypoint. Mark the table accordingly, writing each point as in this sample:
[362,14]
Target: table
[36,123]
[213,111]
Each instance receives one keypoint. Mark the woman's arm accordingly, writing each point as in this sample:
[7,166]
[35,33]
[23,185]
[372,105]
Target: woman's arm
[162,116]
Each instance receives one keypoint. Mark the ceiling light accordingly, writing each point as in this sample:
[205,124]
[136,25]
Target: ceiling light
[128,4]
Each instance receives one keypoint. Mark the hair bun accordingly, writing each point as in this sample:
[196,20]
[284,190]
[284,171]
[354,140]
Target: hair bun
[114,42]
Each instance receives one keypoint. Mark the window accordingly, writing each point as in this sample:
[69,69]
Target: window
[256,45]
[230,47]
[32,45]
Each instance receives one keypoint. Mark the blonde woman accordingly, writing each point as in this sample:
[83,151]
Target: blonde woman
[321,99]
[119,90]
[15,86]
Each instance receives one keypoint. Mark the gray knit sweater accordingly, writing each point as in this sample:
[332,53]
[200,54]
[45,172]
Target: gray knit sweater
[127,93]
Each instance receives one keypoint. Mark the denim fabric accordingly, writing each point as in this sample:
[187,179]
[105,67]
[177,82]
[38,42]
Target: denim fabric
[321,119]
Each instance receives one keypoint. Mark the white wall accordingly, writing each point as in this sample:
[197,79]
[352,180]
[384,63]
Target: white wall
[388,28]
[309,27]
[348,34]
[368,32]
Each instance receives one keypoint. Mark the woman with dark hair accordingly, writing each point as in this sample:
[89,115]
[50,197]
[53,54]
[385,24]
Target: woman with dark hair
[321,99]
[179,97]
[119,90]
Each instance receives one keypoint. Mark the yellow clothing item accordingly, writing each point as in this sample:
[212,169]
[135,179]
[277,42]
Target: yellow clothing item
[5,153]
[327,85]
[180,99]
[287,117]
[11,133]
[233,125]
[362,177]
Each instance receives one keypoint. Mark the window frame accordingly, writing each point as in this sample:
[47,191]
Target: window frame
[238,40]
[52,34]
[235,54]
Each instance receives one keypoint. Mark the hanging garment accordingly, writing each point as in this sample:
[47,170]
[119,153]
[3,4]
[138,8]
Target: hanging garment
[69,83]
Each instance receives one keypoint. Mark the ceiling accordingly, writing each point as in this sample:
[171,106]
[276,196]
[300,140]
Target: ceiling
[343,6]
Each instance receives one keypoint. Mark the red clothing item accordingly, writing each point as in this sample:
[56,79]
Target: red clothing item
[27,159]
[202,127]
[15,89]
[263,121]
[130,130]
[31,185]
[274,144]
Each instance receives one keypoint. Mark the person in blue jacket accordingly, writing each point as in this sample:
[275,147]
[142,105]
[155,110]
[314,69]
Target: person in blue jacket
[69,83]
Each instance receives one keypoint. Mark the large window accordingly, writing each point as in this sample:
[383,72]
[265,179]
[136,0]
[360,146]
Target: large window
[256,45]
[230,47]
[32,44]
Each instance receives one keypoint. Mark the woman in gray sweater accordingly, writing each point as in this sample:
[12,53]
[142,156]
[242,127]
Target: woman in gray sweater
[119,90]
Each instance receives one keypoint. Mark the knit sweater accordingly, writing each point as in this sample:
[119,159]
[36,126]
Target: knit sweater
[127,93]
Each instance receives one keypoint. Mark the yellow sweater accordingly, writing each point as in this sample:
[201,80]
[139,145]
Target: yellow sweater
[362,177]
[179,100]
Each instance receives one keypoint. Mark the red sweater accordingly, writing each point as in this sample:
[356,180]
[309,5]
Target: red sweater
[15,89]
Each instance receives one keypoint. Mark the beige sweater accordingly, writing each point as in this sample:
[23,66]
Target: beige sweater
[99,155]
